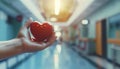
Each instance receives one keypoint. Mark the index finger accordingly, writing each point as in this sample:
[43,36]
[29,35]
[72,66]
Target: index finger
[27,24]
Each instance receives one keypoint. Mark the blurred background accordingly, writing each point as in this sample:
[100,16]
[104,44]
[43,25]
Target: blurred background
[88,33]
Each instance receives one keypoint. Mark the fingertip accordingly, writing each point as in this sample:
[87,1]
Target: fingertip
[29,21]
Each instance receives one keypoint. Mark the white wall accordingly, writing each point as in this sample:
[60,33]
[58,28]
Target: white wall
[110,9]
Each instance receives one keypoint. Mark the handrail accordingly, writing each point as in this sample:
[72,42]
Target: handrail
[86,39]
[114,41]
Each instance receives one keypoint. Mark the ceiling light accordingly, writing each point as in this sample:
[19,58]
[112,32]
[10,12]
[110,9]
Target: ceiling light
[53,19]
[85,22]
[57,7]
[60,9]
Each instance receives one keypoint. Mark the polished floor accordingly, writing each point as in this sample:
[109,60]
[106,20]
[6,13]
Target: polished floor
[56,57]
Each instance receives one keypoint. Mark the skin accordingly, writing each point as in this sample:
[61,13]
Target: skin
[23,43]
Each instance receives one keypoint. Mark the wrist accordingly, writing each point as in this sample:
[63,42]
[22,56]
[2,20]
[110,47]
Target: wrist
[11,47]
[11,43]
[18,43]
[23,44]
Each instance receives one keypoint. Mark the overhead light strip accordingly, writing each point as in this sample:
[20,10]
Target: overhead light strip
[57,7]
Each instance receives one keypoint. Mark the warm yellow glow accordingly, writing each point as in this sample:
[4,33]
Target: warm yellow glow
[53,19]
[57,7]
[57,10]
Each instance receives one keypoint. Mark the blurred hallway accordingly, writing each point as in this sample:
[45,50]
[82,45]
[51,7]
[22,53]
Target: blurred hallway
[88,33]
[56,57]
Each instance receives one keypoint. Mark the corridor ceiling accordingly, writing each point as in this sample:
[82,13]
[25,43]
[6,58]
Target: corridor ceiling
[29,8]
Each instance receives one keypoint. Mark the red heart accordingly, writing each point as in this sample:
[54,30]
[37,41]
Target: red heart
[41,32]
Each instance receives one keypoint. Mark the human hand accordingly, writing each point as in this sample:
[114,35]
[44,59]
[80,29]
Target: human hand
[28,44]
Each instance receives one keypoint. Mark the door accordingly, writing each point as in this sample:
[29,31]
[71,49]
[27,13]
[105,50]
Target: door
[101,38]
[98,38]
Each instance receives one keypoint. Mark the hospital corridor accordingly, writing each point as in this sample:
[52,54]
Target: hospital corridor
[59,34]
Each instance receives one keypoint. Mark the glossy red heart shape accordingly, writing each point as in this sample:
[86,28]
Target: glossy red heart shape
[41,31]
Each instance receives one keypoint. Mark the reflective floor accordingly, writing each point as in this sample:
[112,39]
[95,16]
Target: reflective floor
[56,57]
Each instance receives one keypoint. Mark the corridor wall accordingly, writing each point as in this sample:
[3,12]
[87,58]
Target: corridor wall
[3,26]
[109,9]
